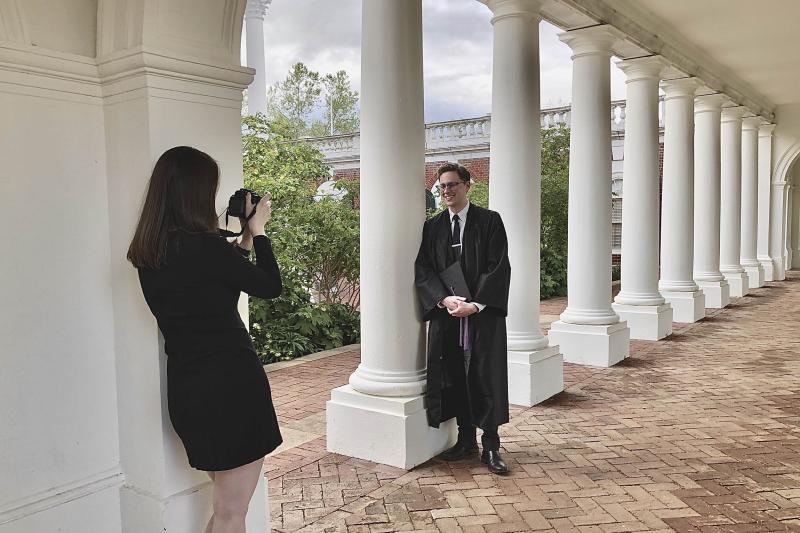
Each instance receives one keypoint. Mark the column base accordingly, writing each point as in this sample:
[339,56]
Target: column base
[687,307]
[755,276]
[738,283]
[717,293]
[388,430]
[188,510]
[646,322]
[769,269]
[534,376]
[584,344]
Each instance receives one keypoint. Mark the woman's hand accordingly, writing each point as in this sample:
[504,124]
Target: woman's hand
[262,215]
[246,241]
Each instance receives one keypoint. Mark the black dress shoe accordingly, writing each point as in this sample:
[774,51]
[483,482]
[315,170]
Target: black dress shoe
[494,461]
[459,451]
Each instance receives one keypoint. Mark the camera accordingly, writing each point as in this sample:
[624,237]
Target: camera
[237,205]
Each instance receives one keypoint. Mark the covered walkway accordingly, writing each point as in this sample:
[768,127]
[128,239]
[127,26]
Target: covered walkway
[697,432]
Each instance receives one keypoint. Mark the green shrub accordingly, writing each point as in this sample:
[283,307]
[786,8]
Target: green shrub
[316,243]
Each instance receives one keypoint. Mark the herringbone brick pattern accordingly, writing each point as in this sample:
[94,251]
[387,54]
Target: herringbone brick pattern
[699,432]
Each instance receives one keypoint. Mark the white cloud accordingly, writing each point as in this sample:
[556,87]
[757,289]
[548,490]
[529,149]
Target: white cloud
[457,38]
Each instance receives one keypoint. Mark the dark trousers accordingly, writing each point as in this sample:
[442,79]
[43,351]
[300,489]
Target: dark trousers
[456,376]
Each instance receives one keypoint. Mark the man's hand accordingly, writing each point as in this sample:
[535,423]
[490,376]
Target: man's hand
[451,302]
[463,309]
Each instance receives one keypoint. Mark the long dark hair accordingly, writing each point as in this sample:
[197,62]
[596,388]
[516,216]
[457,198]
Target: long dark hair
[180,196]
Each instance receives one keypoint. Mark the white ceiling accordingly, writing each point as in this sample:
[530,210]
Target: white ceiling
[758,41]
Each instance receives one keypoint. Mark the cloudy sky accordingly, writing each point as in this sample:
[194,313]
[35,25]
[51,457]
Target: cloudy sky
[326,36]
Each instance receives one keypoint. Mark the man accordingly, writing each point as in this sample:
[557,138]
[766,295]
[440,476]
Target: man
[467,368]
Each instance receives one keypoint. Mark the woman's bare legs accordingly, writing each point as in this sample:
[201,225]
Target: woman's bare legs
[233,490]
[210,525]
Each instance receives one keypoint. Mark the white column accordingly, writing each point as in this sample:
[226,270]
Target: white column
[254,20]
[764,186]
[677,203]
[639,303]
[749,259]
[590,332]
[535,370]
[730,240]
[794,228]
[380,415]
[779,204]
[707,201]
[791,190]
[145,113]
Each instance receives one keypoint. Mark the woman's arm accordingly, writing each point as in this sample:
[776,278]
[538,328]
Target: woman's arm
[262,280]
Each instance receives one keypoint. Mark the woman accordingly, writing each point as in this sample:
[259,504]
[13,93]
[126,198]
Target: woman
[219,398]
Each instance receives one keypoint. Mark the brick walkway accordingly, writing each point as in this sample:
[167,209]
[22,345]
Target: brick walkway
[700,432]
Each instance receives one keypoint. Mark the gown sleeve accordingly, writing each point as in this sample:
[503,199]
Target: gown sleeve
[430,288]
[232,268]
[492,287]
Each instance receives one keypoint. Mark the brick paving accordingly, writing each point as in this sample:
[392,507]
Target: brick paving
[699,432]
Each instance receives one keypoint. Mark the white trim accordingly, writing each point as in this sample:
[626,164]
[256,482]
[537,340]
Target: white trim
[47,499]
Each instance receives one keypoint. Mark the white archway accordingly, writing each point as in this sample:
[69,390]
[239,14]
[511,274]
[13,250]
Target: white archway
[115,87]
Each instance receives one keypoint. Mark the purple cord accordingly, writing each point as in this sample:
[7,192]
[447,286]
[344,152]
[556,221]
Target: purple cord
[463,329]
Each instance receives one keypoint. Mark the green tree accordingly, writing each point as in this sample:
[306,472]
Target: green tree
[340,105]
[316,243]
[555,187]
[555,198]
[293,101]
[304,94]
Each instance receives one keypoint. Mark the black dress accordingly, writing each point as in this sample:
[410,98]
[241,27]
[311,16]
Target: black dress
[218,394]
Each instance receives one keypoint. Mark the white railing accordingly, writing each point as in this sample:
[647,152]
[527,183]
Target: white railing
[455,133]
[343,146]
[467,132]
[550,118]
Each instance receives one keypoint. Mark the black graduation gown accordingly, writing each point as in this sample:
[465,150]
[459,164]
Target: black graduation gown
[487,271]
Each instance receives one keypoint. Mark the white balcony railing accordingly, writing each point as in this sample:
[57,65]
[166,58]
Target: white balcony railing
[465,133]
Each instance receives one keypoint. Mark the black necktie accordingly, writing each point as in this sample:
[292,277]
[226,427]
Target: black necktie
[456,237]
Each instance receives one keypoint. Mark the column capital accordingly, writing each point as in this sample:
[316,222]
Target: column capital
[680,88]
[733,113]
[709,103]
[642,68]
[766,130]
[594,40]
[257,8]
[751,123]
[529,9]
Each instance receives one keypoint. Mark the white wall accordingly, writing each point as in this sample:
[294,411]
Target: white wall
[794,223]
[785,154]
[58,403]
[86,445]
[64,25]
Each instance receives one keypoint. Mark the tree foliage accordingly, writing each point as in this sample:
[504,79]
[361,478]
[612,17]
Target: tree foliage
[316,243]
[296,103]
[293,100]
[340,106]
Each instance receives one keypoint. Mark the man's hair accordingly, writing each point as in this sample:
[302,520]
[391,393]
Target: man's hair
[463,173]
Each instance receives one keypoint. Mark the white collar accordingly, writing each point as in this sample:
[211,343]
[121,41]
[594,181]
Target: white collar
[462,215]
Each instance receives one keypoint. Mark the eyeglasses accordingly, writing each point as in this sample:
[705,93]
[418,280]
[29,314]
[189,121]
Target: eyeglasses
[451,185]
